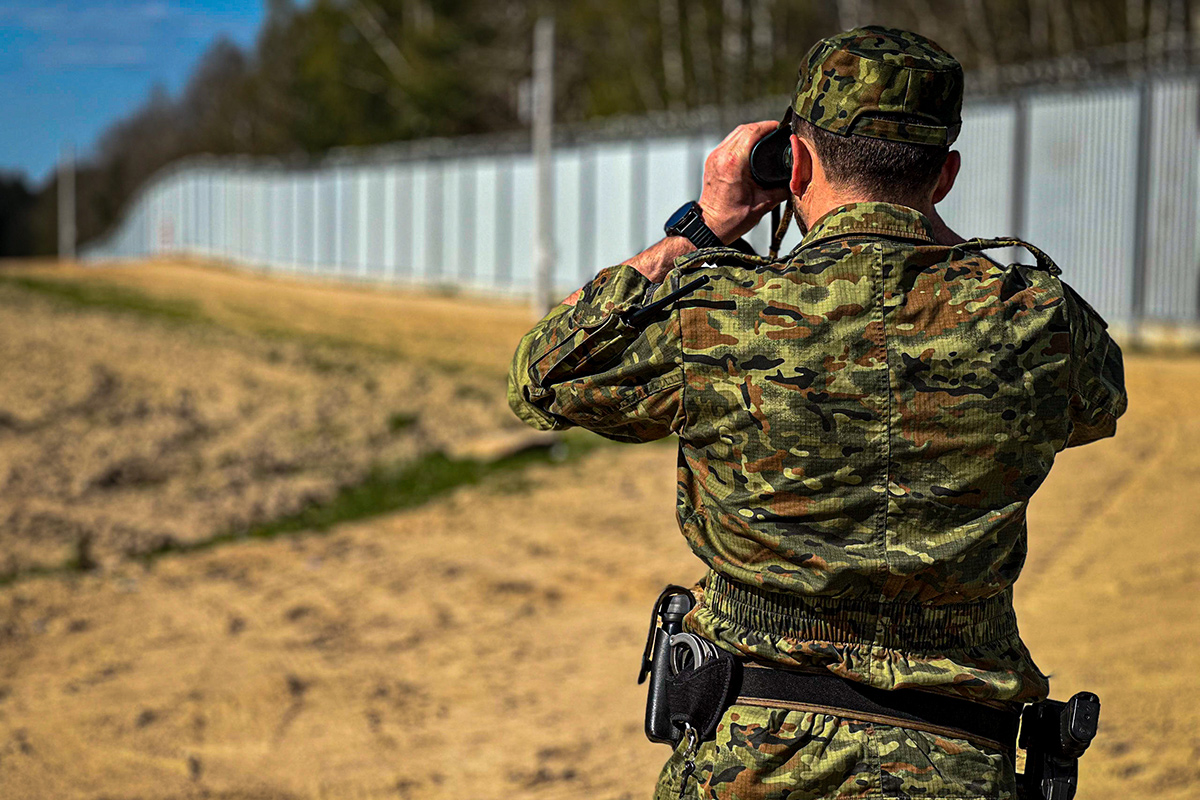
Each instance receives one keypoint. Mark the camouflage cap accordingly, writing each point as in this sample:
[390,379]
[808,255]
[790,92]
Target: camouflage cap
[883,83]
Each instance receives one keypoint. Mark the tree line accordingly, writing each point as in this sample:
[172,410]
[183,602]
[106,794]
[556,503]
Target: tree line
[334,73]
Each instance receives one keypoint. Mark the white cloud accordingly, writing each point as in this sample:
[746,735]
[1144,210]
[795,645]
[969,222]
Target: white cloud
[102,33]
[76,17]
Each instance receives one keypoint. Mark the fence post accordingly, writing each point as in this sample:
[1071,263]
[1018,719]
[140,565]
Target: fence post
[543,130]
[1141,203]
[638,162]
[467,178]
[435,172]
[1020,166]
[66,204]
[587,214]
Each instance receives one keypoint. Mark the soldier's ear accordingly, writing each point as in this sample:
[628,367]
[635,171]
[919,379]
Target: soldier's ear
[802,166]
[949,173]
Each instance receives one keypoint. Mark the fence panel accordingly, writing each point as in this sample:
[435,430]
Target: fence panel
[1081,191]
[1104,178]
[1172,277]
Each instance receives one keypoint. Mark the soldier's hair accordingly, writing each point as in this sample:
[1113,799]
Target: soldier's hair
[882,169]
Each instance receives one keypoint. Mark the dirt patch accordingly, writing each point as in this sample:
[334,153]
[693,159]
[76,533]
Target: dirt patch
[483,646]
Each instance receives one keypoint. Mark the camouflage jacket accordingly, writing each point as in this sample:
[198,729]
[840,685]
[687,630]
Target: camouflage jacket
[861,427]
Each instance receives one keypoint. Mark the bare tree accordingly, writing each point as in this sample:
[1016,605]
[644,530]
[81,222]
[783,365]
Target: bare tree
[672,53]
[704,76]
[1156,29]
[762,36]
[366,18]
[1177,31]
[981,33]
[1039,25]
[733,50]
[850,13]
[929,21]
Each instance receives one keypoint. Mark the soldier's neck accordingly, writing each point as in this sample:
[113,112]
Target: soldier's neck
[821,198]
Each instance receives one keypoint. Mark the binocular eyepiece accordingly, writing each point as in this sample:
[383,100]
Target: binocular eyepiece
[771,157]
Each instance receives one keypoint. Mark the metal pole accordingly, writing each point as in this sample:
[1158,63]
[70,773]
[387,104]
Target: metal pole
[466,215]
[587,214]
[434,230]
[543,130]
[637,194]
[66,204]
[1141,203]
[1020,166]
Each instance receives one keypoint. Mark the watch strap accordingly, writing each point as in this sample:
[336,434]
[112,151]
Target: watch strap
[693,228]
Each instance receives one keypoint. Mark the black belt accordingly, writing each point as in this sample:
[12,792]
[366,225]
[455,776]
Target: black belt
[903,708]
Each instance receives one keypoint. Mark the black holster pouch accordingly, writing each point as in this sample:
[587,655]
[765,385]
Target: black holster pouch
[698,697]
[1054,735]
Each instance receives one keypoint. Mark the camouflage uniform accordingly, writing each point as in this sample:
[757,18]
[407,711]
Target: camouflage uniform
[861,427]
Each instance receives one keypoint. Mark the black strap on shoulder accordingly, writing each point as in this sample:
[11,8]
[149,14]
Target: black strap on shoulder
[1044,262]
[637,316]
[900,707]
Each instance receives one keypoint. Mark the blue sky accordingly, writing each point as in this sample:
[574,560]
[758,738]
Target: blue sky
[68,68]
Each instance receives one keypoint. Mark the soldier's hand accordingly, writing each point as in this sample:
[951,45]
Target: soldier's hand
[732,203]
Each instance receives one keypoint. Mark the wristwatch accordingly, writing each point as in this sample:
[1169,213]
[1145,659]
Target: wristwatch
[688,222]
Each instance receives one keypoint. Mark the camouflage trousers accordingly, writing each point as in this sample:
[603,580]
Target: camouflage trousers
[762,753]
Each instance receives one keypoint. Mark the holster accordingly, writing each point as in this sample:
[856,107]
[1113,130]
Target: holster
[1054,735]
[698,697]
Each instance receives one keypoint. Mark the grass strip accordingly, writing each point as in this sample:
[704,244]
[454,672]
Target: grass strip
[123,299]
[383,490]
[386,490]
[86,294]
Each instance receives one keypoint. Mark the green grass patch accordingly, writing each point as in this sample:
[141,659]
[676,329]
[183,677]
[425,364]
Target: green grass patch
[383,490]
[108,297]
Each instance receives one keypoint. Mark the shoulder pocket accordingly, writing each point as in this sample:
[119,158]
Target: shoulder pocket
[602,342]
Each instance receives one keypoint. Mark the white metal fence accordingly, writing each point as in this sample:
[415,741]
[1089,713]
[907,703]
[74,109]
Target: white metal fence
[1104,178]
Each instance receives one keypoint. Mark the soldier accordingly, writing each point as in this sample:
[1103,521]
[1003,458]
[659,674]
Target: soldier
[861,427]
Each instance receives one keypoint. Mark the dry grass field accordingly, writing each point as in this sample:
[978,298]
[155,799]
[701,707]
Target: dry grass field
[160,407]
[482,643]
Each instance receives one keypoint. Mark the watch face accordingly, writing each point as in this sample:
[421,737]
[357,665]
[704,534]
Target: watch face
[678,216]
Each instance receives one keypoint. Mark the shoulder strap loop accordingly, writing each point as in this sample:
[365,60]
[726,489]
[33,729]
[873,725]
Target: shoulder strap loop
[1044,262]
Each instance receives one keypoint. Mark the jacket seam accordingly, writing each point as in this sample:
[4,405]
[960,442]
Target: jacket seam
[650,389]
[677,316]
[638,394]
[888,230]
[885,496]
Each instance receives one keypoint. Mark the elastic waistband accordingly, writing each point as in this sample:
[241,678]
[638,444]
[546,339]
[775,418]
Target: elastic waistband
[906,626]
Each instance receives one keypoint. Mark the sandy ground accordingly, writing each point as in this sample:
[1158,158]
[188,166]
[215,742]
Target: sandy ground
[485,644]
